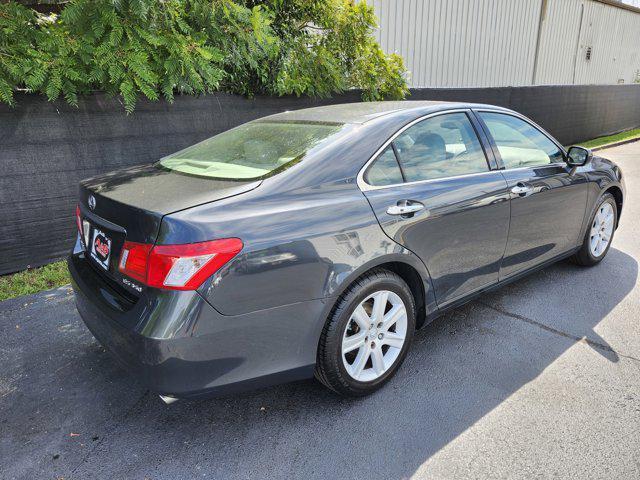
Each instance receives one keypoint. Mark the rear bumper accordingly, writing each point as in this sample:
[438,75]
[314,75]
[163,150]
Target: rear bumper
[177,344]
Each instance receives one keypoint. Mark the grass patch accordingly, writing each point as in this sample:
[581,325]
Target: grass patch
[618,137]
[34,280]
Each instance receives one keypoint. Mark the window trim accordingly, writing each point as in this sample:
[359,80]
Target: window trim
[364,186]
[494,145]
[397,155]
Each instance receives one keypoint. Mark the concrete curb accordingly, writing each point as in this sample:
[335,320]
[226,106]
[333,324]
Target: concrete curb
[615,144]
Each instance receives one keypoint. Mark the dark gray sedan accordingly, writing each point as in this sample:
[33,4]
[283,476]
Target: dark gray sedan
[315,242]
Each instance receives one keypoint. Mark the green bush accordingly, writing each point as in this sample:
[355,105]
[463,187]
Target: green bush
[159,48]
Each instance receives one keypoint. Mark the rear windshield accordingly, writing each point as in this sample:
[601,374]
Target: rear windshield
[251,151]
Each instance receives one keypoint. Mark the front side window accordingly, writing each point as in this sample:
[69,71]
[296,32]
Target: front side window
[520,144]
[438,147]
[251,151]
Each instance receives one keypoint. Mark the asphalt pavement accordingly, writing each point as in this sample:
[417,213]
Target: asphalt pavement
[539,379]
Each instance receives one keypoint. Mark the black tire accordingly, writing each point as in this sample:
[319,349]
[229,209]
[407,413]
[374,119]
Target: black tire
[584,256]
[330,369]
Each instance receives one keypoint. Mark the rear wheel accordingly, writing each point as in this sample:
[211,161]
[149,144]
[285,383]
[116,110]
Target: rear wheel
[367,334]
[599,235]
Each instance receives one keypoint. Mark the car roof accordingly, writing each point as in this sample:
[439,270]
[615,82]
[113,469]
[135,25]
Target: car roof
[363,112]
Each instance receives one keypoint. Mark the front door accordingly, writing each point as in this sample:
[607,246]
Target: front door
[548,198]
[433,192]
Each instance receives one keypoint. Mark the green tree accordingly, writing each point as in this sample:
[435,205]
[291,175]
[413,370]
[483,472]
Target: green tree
[145,47]
[328,46]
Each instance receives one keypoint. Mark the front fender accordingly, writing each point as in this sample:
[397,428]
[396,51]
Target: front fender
[598,187]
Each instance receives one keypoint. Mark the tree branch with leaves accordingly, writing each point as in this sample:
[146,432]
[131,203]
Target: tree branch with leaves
[130,48]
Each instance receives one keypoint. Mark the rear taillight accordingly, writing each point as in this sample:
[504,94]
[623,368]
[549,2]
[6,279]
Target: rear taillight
[79,220]
[176,267]
[83,227]
[134,259]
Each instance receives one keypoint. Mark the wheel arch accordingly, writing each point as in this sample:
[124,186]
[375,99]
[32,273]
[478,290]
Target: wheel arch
[411,270]
[413,280]
[619,198]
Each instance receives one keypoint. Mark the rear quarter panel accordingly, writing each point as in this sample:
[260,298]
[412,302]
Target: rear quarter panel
[299,245]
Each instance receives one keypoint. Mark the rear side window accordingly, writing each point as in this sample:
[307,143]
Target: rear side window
[438,147]
[384,170]
[254,150]
[520,144]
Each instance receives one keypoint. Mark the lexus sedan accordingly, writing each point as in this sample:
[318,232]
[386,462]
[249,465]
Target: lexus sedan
[315,242]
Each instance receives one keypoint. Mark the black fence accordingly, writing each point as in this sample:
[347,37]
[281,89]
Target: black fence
[47,148]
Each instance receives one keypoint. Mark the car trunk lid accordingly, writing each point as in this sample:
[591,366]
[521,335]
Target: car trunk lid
[128,205]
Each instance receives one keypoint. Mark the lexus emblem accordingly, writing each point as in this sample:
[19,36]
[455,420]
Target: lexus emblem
[92,202]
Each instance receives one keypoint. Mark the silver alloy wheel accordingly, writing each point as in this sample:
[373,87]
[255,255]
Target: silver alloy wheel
[601,229]
[374,336]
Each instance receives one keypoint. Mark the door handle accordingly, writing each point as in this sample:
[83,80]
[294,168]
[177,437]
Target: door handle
[521,189]
[405,207]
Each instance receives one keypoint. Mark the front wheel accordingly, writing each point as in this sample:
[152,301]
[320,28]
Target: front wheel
[599,235]
[367,335]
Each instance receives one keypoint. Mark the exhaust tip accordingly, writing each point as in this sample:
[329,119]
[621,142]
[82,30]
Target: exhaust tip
[167,399]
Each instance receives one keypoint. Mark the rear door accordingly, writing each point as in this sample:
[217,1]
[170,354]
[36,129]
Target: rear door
[548,198]
[433,191]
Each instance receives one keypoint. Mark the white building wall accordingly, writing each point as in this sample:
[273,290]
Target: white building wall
[479,43]
[614,36]
[559,34]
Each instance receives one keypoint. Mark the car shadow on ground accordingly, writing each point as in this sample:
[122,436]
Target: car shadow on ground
[459,369]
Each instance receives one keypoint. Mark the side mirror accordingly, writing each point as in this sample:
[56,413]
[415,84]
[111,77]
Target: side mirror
[578,156]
